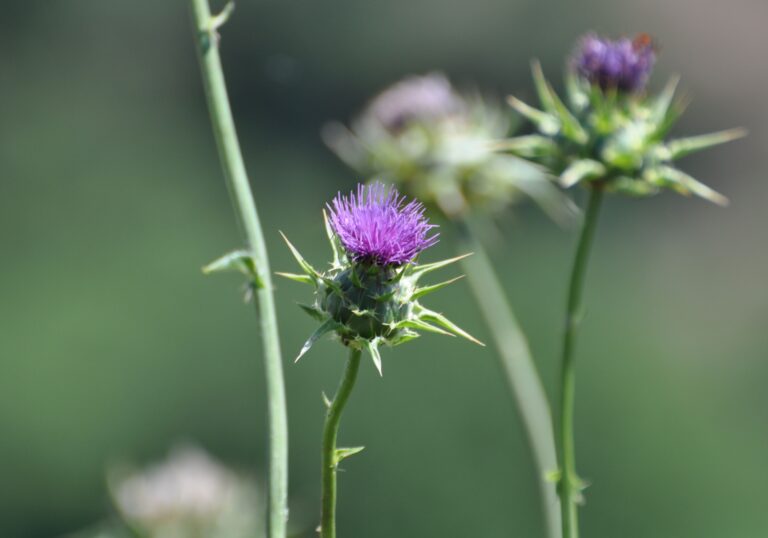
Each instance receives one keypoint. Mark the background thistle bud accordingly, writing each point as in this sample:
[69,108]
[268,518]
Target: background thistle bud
[607,131]
[369,296]
[437,146]
[623,64]
[417,99]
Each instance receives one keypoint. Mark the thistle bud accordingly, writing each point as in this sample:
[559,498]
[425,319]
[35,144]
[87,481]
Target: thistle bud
[419,99]
[437,145]
[607,131]
[622,64]
[369,296]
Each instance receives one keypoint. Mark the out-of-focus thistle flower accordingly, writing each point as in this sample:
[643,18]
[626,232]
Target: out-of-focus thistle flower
[623,64]
[369,295]
[610,131]
[188,496]
[437,146]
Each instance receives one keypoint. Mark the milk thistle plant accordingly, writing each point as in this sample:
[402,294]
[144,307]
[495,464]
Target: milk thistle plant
[437,145]
[367,298]
[609,137]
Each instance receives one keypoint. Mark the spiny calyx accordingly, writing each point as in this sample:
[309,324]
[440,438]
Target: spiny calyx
[612,132]
[367,305]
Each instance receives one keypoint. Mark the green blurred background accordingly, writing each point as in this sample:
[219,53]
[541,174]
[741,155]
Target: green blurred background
[114,346]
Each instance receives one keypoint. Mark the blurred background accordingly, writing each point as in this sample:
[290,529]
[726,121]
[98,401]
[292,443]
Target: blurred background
[114,346]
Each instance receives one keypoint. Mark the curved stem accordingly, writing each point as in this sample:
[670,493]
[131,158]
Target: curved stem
[330,457]
[237,182]
[570,486]
[522,377]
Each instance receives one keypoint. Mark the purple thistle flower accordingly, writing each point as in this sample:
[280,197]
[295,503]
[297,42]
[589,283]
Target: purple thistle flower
[418,98]
[376,225]
[624,64]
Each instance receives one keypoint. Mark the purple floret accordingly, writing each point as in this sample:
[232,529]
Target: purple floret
[418,98]
[624,64]
[376,225]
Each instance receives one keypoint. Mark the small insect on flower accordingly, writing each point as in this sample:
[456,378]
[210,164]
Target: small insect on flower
[609,132]
[369,296]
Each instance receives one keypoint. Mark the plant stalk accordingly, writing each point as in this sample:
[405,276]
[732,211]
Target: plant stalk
[330,457]
[522,377]
[206,27]
[569,483]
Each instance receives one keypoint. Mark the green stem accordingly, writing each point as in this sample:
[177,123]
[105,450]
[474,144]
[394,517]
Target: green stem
[522,377]
[570,485]
[330,458]
[245,208]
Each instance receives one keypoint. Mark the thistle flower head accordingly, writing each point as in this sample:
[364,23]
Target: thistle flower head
[436,145]
[376,225]
[370,295]
[597,137]
[189,494]
[623,64]
[416,99]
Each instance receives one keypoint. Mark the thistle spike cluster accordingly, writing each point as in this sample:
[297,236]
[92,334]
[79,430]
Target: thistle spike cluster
[609,132]
[437,145]
[369,296]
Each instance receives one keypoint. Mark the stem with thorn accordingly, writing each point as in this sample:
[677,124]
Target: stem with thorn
[569,483]
[330,454]
[206,27]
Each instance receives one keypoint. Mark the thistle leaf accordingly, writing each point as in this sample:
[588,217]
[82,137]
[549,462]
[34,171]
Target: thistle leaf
[546,123]
[435,317]
[385,297]
[313,311]
[405,336]
[543,89]
[632,187]
[690,185]
[423,325]
[299,258]
[238,260]
[343,453]
[332,240]
[528,146]
[664,101]
[685,146]
[421,270]
[424,290]
[578,98]
[582,170]
[373,349]
[217,21]
[329,282]
[304,279]
[552,103]
[322,330]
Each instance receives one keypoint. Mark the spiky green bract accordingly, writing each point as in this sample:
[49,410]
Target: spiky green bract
[437,145]
[616,138]
[367,305]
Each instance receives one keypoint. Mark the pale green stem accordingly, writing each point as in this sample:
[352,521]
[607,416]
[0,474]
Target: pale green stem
[521,374]
[570,485]
[245,208]
[330,458]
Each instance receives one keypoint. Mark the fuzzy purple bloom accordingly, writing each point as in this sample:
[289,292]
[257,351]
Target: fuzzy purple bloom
[376,225]
[623,64]
[419,98]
